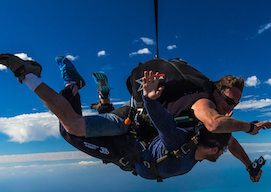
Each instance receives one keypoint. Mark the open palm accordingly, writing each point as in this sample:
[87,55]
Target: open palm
[150,85]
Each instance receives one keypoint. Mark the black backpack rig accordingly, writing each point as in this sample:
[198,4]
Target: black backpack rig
[179,79]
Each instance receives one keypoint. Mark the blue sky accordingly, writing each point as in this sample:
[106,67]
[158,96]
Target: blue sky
[218,38]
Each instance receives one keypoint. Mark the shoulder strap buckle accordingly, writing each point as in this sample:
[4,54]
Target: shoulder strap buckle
[143,145]
[123,161]
[195,139]
[183,150]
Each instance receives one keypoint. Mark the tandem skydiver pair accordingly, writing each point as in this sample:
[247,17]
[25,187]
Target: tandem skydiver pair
[167,154]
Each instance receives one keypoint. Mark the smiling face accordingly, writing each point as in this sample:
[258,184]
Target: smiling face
[226,101]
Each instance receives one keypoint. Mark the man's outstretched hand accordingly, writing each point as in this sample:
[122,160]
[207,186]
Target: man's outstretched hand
[150,85]
[261,125]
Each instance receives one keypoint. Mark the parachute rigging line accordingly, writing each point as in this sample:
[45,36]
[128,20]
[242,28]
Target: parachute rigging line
[156,26]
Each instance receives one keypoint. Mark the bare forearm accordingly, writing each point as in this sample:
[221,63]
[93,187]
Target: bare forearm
[225,124]
[237,151]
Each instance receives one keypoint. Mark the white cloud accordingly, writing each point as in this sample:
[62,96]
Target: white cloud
[265,114]
[268,82]
[30,127]
[170,47]
[101,53]
[114,99]
[72,58]
[257,144]
[147,40]
[87,112]
[254,104]
[121,103]
[267,157]
[88,162]
[252,81]
[2,67]
[257,147]
[55,156]
[23,56]
[141,51]
[264,28]
[144,51]
[20,171]
[266,109]
[248,96]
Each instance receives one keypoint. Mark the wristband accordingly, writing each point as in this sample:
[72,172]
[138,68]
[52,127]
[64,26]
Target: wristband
[252,126]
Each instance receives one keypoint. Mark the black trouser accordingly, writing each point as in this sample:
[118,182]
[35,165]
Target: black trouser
[109,149]
[105,108]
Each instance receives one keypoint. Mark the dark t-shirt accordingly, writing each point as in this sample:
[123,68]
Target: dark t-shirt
[182,106]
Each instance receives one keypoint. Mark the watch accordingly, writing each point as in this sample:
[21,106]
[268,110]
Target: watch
[252,126]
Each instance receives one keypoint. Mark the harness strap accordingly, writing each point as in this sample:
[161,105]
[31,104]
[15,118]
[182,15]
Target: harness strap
[134,156]
[185,148]
[155,171]
[182,151]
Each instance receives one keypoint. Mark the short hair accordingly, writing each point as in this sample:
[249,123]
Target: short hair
[209,139]
[228,82]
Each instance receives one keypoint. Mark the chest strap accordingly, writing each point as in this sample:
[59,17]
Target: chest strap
[179,153]
[182,151]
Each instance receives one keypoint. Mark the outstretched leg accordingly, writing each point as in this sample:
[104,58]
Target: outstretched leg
[72,121]
[29,73]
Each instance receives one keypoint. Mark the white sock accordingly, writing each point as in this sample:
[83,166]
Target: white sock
[32,81]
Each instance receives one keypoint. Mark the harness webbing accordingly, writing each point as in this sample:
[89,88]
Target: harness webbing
[156,26]
[135,155]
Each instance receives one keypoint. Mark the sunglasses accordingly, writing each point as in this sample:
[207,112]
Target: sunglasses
[229,100]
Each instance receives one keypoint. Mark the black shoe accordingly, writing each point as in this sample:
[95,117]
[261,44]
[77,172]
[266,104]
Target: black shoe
[20,67]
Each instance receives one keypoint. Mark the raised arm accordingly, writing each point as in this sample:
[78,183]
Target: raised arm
[161,118]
